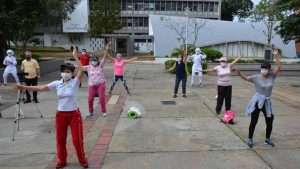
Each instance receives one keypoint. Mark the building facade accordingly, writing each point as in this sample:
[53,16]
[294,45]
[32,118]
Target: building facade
[135,38]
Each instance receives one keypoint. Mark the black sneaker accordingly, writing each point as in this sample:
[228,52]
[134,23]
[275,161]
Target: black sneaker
[218,112]
[0,115]
[184,96]
[109,92]
[27,101]
[174,96]
[36,101]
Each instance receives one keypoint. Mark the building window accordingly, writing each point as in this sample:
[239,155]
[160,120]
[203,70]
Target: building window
[141,5]
[129,5]
[124,21]
[173,6]
[135,22]
[184,5]
[141,22]
[163,5]
[195,6]
[216,6]
[146,23]
[206,6]
[123,4]
[146,5]
[136,5]
[190,5]
[129,22]
[200,7]
[168,6]
[179,6]
[151,5]
[211,7]
[157,5]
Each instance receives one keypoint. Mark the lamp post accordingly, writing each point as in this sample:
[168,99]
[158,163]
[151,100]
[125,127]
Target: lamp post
[178,40]
[187,14]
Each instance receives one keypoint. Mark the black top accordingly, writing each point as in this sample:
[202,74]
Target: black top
[180,69]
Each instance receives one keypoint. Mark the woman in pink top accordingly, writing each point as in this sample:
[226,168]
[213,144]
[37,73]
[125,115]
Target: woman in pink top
[224,82]
[96,83]
[119,70]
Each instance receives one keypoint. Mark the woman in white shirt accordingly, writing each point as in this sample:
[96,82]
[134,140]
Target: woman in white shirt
[68,113]
[10,61]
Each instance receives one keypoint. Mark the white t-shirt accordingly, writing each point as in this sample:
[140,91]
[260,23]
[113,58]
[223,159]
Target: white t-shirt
[197,59]
[223,75]
[66,93]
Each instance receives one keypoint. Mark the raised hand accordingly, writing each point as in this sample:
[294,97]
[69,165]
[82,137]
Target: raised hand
[74,51]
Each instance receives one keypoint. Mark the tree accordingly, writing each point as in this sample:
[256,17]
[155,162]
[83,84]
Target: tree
[289,27]
[105,17]
[230,8]
[267,13]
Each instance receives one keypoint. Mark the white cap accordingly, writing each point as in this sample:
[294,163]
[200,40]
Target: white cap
[197,50]
[10,51]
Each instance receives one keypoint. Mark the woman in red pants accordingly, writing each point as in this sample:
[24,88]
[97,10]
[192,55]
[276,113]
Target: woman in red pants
[68,113]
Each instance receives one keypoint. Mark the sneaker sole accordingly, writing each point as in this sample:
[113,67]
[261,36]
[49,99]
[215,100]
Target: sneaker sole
[269,144]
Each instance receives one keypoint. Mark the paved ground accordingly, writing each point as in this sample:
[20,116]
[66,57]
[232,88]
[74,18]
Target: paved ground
[186,134]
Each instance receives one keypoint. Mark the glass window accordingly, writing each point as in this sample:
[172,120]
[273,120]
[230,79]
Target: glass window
[136,5]
[129,5]
[173,6]
[200,7]
[141,22]
[195,6]
[190,5]
[124,21]
[163,5]
[179,6]
[157,5]
[151,5]
[216,7]
[146,5]
[206,6]
[135,22]
[129,22]
[211,7]
[123,4]
[168,6]
[141,5]
[146,24]
[184,5]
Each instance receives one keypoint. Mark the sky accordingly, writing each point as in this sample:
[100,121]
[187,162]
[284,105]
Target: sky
[255,2]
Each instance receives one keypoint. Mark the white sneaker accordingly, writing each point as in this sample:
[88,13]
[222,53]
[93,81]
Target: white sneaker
[104,114]
[89,115]
[216,97]
[192,85]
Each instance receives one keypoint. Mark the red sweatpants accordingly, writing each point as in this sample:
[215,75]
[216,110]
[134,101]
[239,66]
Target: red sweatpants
[63,120]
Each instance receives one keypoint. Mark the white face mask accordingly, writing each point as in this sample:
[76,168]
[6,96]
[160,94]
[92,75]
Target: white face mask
[83,53]
[9,54]
[264,71]
[66,76]
[94,63]
[223,64]
[198,52]
[179,59]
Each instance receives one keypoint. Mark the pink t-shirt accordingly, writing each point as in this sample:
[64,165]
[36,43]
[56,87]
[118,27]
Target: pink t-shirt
[223,75]
[119,67]
[96,75]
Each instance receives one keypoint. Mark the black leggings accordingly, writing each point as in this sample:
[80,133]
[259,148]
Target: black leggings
[31,82]
[254,119]
[177,83]
[224,92]
[114,81]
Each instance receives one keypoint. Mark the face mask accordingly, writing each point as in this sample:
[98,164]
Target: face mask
[264,71]
[198,52]
[83,53]
[28,57]
[66,76]
[223,64]
[9,54]
[94,63]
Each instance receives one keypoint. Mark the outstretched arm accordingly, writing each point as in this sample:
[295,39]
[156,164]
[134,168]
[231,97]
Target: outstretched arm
[236,60]
[172,68]
[32,88]
[246,78]
[278,64]
[109,57]
[131,60]
[209,70]
[81,69]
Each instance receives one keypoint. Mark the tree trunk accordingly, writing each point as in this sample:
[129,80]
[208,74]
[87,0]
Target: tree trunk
[3,48]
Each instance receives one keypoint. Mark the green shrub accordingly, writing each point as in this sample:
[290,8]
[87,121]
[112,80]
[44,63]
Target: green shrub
[212,54]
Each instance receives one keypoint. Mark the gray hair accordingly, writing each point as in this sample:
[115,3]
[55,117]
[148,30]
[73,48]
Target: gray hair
[119,55]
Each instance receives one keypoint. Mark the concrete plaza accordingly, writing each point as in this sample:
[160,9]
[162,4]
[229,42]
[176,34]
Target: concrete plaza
[185,133]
